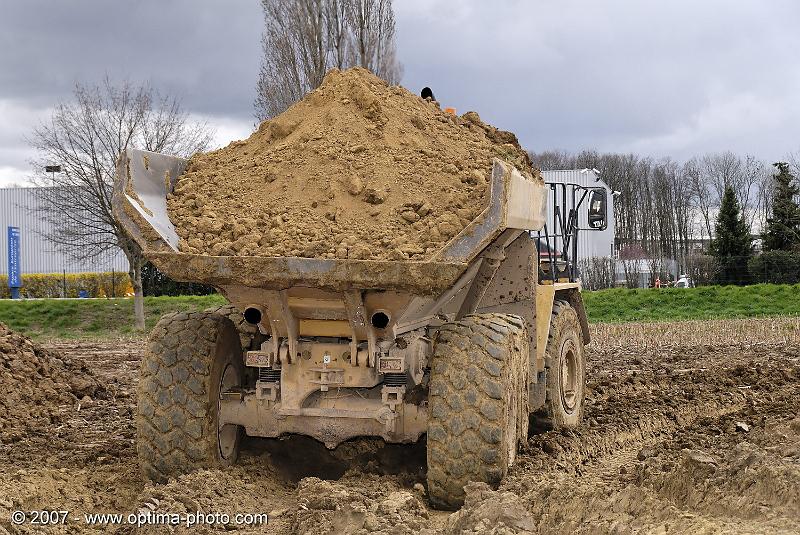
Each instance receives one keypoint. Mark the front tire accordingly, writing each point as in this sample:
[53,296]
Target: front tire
[191,358]
[565,360]
[477,404]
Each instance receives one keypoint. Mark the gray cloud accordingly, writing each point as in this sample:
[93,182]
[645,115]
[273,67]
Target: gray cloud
[673,78]
[616,75]
[207,52]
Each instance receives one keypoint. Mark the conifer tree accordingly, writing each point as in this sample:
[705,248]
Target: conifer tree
[783,228]
[733,244]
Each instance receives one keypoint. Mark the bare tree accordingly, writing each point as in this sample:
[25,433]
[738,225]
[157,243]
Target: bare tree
[759,175]
[701,268]
[722,170]
[632,272]
[85,137]
[744,176]
[703,197]
[294,59]
[551,160]
[373,27]
[794,161]
[303,39]
[597,273]
[338,31]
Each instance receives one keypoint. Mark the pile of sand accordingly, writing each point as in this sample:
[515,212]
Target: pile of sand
[357,169]
[36,385]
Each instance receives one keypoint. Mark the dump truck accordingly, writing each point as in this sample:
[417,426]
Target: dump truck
[460,349]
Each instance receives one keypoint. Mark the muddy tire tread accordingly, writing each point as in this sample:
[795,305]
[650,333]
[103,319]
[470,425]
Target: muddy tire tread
[475,361]
[249,335]
[174,431]
[562,316]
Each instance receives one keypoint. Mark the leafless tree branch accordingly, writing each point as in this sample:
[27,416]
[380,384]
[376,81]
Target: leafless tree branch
[666,208]
[303,39]
[85,137]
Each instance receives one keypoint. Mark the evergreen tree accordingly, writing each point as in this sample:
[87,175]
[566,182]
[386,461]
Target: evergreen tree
[732,245]
[783,228]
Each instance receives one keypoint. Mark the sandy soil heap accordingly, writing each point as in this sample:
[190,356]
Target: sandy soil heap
[358,169]
[35,383]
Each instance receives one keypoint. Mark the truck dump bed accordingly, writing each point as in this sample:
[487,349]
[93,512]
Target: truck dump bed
[140,203]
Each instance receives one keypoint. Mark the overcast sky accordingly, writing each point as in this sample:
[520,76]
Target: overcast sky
[659,78]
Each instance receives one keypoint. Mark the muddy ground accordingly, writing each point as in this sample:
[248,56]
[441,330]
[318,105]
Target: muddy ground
[677,440]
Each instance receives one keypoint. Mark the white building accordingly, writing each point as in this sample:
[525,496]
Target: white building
[18,208]
[591,243]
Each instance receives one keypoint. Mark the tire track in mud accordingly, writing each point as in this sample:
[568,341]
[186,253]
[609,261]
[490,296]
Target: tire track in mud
[659,441]
[660,453]
[680,467]
[577,450]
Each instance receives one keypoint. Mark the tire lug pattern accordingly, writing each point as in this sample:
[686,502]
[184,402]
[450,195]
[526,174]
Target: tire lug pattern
[479,370]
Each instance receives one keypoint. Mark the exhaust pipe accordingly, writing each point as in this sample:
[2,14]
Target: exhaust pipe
[253,315]
[380,319]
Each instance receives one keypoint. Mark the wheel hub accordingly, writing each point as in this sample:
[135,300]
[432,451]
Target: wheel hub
[569,377]
[227,433]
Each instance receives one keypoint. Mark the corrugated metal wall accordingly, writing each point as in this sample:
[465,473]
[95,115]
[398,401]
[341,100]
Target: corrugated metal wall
[37,254]
[591,243]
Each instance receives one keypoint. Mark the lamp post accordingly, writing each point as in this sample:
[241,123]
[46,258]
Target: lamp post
[52,169]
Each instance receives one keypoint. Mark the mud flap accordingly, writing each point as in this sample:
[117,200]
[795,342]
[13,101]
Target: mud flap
[537,392]
[575,300]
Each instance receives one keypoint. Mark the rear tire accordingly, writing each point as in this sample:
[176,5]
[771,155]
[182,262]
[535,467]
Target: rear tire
[190,359]
[565,361]
[477,404]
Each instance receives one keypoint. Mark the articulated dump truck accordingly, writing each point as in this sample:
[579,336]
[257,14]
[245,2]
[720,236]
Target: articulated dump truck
[461,348]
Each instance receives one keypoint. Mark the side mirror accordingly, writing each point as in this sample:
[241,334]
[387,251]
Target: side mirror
[598,209]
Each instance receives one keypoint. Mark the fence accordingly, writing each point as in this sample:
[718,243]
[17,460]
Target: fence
[38,285]
[777,267]
[110,284]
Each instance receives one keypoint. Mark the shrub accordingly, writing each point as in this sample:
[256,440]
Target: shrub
[107,284]
[701,269]
[156,283]
[597,273]
[778,267]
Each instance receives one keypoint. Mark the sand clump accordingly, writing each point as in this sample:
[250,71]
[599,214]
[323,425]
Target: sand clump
[367,505]
[37,387]
[358,169]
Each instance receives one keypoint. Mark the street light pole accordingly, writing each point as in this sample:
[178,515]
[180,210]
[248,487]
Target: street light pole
[52,169]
